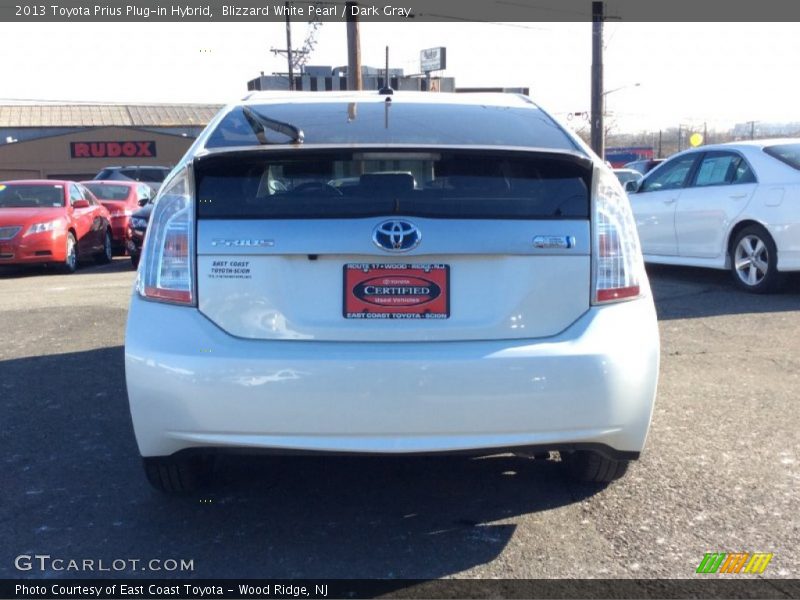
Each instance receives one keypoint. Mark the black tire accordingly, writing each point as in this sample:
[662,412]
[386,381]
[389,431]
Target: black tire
[178,475]
[70,264]
[107,253]
[135,260]
[754,261]
[591,467]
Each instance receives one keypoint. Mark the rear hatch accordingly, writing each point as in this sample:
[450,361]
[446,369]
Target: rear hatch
[393,244]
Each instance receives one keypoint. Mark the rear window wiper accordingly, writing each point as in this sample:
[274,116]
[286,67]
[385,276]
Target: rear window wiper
[259,124]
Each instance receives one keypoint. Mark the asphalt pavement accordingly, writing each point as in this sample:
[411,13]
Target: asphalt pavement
[720,473]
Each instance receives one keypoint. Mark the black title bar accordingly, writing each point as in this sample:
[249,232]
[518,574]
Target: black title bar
[452,11]
[318,589]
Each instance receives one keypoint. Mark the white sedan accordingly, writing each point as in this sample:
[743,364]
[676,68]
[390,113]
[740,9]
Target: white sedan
[727,206]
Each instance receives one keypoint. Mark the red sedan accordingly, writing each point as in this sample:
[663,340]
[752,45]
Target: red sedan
[50,221]
[122,199]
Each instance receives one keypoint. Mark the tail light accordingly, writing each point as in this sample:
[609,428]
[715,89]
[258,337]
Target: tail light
[617,259]
[167,269]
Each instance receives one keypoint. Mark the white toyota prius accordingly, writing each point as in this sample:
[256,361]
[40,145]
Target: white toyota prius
[390,273]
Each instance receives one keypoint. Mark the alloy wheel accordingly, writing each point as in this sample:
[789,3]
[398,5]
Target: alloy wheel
[72,258]
[751,260]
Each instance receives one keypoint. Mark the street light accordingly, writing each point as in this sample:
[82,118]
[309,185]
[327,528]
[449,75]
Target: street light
[601,133]
[622,87]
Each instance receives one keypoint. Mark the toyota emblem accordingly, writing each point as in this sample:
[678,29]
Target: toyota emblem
[396,235]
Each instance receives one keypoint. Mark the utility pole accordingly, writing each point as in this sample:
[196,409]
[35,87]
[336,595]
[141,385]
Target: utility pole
[705,132]
[679,137]
[289,46]
[353,49]
[752,130]
[598,137]
[660,155]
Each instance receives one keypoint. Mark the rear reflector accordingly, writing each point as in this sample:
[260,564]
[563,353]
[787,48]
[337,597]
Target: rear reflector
[169,295]
[612,294]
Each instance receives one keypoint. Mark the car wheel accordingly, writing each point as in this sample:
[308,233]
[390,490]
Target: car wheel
[107,253]
[70,264]
[754,260]
[591,467]
[135,260]
[178,475]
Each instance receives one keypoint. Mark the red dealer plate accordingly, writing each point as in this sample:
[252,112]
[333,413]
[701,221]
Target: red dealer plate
[396,291]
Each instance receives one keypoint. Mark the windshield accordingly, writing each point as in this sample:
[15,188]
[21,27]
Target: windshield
[788,153]
[21,195]
[397,122]
[107,191]
[347,184]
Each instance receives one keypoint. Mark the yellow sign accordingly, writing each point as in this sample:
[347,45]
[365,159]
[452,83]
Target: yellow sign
[696,139]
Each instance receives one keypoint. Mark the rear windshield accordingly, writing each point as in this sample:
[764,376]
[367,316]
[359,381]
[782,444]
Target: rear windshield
[31,196]
[398,122]
[347,184]
[107,191]
[788,153]
[156,175]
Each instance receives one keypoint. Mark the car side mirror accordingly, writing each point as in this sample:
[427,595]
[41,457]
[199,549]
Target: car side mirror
[632,186]
[80,204]
[143,201]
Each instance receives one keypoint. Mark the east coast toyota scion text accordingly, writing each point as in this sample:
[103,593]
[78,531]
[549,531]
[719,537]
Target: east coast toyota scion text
[390,273]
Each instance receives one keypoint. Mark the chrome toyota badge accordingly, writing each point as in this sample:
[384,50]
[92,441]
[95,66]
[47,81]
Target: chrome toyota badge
[396,235]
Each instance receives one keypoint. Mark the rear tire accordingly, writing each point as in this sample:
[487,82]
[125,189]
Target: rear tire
[178,475]
[591,467]
[107,253]
[754,261]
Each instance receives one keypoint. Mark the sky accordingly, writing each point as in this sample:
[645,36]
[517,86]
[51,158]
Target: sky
[688,73]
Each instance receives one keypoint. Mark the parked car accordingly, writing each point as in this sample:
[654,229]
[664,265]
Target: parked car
[52,222]
[487,295]
[643,166]
[726,206]
[122,199]
[137,228]
[150,175]
[626,175]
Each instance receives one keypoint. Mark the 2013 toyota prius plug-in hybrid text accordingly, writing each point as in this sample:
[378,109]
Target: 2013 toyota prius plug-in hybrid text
[390,273]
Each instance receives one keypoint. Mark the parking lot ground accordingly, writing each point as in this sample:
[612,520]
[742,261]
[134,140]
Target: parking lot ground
[720,473]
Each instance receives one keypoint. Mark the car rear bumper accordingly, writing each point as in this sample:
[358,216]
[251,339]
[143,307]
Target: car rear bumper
[191,385]
[787,240]
[34,249]
[119,232]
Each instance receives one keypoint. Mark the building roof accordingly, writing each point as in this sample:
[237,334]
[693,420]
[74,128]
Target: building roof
[106,115]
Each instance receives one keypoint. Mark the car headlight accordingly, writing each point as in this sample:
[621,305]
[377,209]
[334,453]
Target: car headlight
[42,227]
[137,223]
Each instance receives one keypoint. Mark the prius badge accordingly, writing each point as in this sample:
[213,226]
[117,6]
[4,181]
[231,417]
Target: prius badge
[396,235]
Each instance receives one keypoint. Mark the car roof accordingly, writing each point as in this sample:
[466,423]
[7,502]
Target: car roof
[473,98]
[137,167]
[749,144]
[62,182]
[112,182]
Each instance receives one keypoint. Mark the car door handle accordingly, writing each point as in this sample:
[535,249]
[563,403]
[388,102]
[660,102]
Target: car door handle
[669,200]
[737,196]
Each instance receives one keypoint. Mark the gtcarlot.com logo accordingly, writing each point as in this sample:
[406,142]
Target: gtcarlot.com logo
[45,562]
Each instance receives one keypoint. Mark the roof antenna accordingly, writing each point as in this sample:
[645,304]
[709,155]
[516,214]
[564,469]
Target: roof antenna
[386,90]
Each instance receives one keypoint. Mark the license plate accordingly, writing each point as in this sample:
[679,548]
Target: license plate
[396,291]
